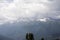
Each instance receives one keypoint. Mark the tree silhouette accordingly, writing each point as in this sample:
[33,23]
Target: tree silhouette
[42,38]
[29,36]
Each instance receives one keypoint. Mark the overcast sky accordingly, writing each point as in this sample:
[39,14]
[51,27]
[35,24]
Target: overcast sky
[13,10]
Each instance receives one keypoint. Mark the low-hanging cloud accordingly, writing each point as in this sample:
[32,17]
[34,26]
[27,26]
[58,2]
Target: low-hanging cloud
[15,10]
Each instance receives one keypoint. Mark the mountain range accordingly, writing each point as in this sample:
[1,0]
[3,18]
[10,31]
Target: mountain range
[18,30]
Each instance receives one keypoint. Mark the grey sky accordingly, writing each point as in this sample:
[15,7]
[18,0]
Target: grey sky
[12,10]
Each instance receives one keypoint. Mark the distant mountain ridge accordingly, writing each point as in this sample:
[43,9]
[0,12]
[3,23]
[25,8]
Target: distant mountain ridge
[18,30]
[5,38]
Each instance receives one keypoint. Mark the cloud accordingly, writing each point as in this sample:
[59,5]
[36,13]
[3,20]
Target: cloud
[2,1]
[42,19]
[20,9]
